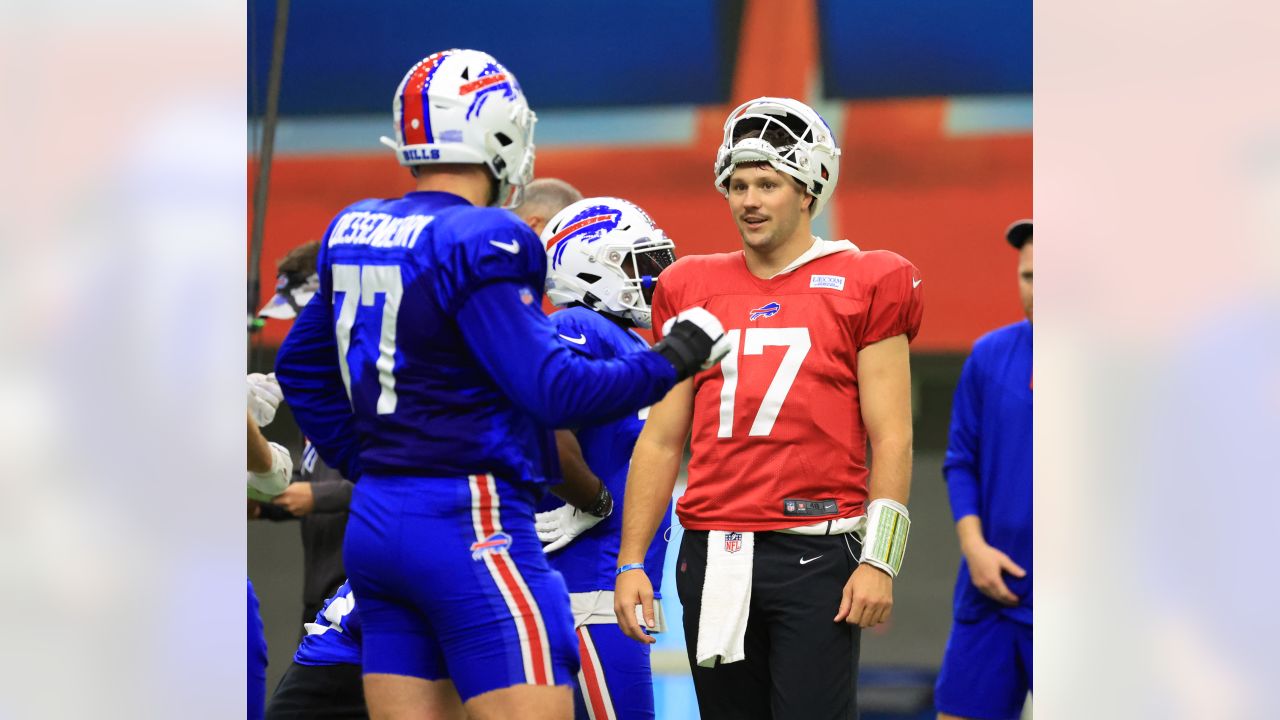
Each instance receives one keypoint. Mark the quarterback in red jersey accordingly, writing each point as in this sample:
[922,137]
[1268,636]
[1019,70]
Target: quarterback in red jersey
[791,542]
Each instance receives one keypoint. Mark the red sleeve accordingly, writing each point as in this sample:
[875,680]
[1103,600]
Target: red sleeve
[896,304]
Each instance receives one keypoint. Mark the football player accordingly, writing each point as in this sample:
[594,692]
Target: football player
[324,679]
[774,584]
[604,256]
[987,670]
[425,369]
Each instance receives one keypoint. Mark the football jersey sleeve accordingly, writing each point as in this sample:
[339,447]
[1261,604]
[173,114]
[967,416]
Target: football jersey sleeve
[896,305]
[577,334]
[482,246]
[503,324]
[312,383]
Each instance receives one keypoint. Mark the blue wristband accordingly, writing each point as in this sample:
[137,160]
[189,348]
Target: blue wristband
[629,566]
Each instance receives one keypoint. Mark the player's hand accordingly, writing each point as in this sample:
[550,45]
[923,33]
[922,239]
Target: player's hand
[557,528]
[254,509]
[987,566]
[264,397]
[693,340]
[298,499]
[633,599]
[868,597]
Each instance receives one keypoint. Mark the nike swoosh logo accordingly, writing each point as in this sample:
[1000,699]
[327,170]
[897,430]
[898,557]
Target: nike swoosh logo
[806,562]
[580,340]
[512,247]
[914,283]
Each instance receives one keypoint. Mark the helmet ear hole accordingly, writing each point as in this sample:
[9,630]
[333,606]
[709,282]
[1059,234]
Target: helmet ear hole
[502,139]
[588,278]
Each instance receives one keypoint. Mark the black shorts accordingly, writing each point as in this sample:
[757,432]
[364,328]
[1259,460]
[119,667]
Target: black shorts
[319,691]
[799,664]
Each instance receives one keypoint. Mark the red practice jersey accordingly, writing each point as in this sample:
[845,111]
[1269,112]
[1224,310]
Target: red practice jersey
[778,420]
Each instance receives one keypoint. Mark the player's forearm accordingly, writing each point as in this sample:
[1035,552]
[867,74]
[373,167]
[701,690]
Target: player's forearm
[650,482]
[969,530]
[581,486]
[891,467]
[259,449]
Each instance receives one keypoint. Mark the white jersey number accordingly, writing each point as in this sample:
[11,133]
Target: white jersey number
[366,282]
[753,342]
[340,607]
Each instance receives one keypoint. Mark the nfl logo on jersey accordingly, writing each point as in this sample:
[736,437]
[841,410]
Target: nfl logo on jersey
[732,542]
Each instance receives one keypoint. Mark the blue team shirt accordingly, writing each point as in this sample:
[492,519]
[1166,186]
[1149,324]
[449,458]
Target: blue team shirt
[988,466]
[426,352]
[591,560]
[334,638]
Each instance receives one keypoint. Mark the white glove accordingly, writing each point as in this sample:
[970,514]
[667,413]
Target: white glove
[264,397]
[560,526]
[274,481]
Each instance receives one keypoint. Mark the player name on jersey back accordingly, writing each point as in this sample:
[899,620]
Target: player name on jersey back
[378,230]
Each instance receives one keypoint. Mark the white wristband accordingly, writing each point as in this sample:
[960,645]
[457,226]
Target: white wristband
[274,481]
[884,542]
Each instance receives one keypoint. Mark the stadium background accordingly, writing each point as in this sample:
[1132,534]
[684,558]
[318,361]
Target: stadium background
[931,103]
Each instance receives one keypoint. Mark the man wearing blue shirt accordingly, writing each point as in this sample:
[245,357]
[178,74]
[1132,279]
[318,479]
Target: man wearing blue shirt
[604,256]
[986,672]
[425,371]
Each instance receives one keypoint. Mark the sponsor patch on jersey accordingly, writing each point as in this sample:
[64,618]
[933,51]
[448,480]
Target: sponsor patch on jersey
[765,311]
[492,545]
[833,282]
[732,542]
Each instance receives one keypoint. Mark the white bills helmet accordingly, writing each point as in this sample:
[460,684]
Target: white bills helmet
[461,106]
[606,253]
[787,134]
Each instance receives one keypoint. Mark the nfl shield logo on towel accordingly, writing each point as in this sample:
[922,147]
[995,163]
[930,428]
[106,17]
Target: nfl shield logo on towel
[732,542]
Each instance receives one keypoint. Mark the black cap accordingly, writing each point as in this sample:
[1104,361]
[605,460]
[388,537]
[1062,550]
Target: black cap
[1018,233]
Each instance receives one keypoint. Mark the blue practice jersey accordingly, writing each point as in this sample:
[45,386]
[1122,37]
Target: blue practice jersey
[591,560]
[989,461]
[334,638]
[426,352]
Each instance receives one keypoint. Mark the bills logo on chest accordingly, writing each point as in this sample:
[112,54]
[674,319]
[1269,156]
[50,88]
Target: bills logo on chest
[764,311]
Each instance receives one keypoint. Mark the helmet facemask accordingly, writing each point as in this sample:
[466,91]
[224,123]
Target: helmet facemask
[790,137]
[639,263]
[606,253]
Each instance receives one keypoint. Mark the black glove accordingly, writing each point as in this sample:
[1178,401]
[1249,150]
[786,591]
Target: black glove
[693,341]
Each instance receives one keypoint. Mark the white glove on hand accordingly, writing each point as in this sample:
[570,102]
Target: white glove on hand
[560,526]
[264,397]
[274,481]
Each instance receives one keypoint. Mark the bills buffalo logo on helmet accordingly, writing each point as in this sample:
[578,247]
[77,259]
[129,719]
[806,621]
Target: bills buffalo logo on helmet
[495,543]
[732,542]
[491,80]
[592,223]
[765,311]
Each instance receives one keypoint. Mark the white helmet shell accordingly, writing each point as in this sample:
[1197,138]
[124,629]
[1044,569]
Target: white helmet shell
[461,106]
[806,151]
[606,253]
